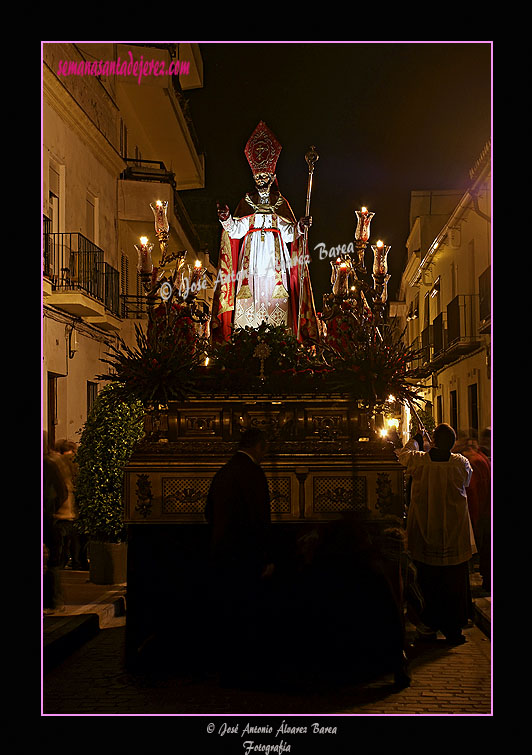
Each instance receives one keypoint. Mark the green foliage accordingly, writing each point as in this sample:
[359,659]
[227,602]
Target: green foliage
[161,367]
[237,364]
[107,440]
[425,415]
[368,362]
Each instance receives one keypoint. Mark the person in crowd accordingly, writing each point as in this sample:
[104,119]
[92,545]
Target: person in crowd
[439,532]
[393,437]
[419,444]
[485,442]
[239,518]
[344,601]
[54,495]
[67,513]
[479,500]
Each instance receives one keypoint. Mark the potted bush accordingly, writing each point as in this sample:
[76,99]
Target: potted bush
[108,437]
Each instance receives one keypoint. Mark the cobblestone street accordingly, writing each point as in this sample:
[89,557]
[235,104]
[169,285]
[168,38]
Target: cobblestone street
[93,680]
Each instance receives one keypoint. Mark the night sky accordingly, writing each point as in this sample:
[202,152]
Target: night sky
[386,119]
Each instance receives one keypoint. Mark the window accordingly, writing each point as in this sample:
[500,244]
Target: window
[484,291]
[426,311]
[439,410]
[453,421]
[473,406]
[435,296]
[52,409]
[92,392]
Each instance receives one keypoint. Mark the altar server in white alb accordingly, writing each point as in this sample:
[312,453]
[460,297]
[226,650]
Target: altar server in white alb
[439,532]
[261,253]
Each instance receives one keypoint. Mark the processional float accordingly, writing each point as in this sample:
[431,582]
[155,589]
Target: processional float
[325,459]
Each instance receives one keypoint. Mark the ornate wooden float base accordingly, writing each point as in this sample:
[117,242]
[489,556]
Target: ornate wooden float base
[323,461]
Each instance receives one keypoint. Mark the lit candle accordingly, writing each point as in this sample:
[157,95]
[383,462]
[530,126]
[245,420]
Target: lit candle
[196,273]
[159,212]
[144,264]
[380,263]
[340,282]
[364,220]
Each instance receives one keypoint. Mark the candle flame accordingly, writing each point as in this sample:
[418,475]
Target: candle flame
[158,203]
[197,263]
[143,240]
[364,209]
[380,243]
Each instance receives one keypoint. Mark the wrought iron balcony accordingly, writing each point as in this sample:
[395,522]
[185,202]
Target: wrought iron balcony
[417,362]
[484,305]
[438,336]
[462,330]
[426,339]
[73,263]
[133,307]
[452,334]
[147,170]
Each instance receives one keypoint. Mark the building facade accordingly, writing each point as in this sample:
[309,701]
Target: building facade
[445,300]
[117,136]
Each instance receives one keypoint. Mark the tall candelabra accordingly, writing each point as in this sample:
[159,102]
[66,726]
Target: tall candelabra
[181,285]
[350,290]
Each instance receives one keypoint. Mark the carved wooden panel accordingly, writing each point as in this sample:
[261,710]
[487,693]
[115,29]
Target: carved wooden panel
[184,495]
[280,494]
[188,495]
[335,493]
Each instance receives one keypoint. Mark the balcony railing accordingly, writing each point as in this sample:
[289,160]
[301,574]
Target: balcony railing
[426,338]
[438,336]
[185,107]
[415,346]
[453,333]
[484,304]
[73,263]
[147,170]
[133,307]
[462,332]
[111,288]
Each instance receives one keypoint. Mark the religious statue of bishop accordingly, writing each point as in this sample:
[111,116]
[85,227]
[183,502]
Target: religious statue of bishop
[262,256]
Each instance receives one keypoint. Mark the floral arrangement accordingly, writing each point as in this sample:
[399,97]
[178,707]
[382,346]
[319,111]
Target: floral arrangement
[265,358]
[355,358]
[162,366]
[369,362]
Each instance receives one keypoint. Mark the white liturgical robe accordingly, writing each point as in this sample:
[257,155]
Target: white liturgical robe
[438,528]
[264,263]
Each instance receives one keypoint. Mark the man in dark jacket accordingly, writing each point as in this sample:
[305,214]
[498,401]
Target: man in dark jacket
[238,510]
[238,513]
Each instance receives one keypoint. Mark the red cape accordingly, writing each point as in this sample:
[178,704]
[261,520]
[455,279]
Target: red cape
[225,288]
